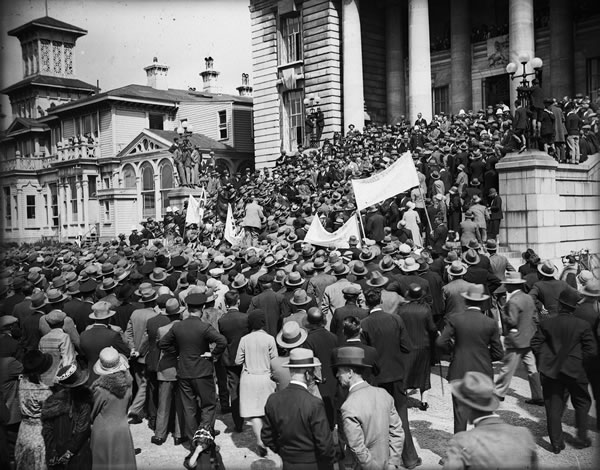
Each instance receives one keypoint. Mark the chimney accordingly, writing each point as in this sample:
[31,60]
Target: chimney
[210,76]
[245,89]
[157,75]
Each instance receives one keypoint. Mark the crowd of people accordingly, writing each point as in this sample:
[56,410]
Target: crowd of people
[317,347]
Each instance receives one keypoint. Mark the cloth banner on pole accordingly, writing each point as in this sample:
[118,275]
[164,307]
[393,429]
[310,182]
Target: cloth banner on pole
[397,178]
[193,214]
[317,235]
[232,235]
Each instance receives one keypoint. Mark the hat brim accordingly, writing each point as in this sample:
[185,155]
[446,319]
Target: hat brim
[552,274]
[83,378]
[239,286]
[455,389]
[295,344]
[350,363]
[514,281]
[294,284]
[94,317]
[43,367]
[483,298]
[300,304]
[384,281]
[315,363]
[122,365]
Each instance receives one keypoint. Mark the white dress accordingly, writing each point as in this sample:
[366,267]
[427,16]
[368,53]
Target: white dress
[411,217]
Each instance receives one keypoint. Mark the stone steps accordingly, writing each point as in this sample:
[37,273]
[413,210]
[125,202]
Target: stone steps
[514,257]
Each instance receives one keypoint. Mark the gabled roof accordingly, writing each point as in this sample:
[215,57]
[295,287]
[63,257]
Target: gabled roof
[200,140]
[49,81]
[144,93]
[47,22]
[23,126]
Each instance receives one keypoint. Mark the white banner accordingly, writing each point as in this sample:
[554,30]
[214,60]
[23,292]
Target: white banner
[397,178]
[195,209]
[232,235]
[317,235]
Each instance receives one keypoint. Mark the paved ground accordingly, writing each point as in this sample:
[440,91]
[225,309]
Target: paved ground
[432,430]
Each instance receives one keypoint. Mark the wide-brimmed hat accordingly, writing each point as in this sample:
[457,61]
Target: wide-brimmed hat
[491,245]
[300,298]
[414,292]
[38,301]
[179,261]
[269,262]
[36,362]
[547,268]
[239,281]
[474,245]
[475,293]
[172,307]
[340,269]
[108,283]
[110,361]
[196,300]
[158,275]
[71,376]
[386,264]
[513,277]
[146,294]
[302,358]
[469,215]
[55,296]
[291,335]
[409,265]
[101,310]
[120,274]
[319,264]
[359,269]
[591,289]
[350,356]
[456,267]
[476,390]
[107,269]
[366,254]
[471,257]
[294,279]
[569,298]
[7,320]
[404,250]
[377,279]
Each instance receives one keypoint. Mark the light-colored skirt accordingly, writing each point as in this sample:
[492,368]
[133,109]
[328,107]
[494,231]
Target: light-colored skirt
[254,391]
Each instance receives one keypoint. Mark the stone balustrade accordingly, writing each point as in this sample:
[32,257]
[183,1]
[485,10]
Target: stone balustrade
[78,150]
[29,163]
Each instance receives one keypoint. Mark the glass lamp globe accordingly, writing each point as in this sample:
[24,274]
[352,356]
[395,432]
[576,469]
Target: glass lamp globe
[190,128]
[180,130]
[523,57]
[537,63]
[511,68]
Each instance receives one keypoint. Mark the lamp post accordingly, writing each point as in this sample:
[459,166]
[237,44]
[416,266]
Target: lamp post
[524,88]
[183,154]
[315,120]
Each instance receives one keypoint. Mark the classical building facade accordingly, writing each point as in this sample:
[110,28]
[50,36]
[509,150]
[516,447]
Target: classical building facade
[76,160]
[383,59]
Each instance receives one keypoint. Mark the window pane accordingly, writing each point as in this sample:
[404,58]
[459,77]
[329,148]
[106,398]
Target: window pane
[147,178]
[129,177]
[30,207]
[166,176]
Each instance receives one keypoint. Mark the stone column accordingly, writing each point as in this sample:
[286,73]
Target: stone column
[394,62]
[352,66]
[86,202]
[531,203]
[521,38]
[460,56]
[79,190]
[419,60]
[21,213]
[561,49]
[67,215]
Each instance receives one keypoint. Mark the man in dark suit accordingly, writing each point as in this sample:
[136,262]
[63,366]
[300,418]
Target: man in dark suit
[548,289]
[295,423]
[387,334]
[8,345]
[479,275]
[322,343]
[78,308]
[475,342]
[233,325]
[190,338]
[270,302]
[518,327]
[351,293]
[562,345]
[99,335]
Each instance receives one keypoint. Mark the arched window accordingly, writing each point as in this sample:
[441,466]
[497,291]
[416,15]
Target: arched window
[129,176]
[166,183]
[148,196]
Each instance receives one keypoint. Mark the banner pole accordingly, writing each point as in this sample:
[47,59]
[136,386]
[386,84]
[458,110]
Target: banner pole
[360,225]
[426,213]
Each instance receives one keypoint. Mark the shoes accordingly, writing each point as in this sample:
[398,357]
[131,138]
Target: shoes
[441,462]
[424,406]
[137,451]
[501,398]
[177,441]
[538,402]
[416,464]
[157,440]
[558,449]
[582,443]
[216,432]
[262,451]
[134,419]
[152,424]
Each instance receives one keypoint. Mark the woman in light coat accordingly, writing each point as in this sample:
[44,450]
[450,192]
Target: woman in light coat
[254,354]
[413,221]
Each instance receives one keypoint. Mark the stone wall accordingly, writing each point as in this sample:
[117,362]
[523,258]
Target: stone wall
[549,207]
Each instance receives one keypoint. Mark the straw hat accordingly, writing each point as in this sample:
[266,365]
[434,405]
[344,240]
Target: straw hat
[476,390]
[302,358]
[110,361]
[291,335]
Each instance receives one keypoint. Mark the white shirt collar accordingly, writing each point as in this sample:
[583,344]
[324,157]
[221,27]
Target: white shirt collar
[510,294]
[299,383]
[357,383]
[481,418]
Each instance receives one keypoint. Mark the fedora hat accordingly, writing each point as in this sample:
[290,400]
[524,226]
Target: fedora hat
[301,358]
[547,268]
[179,261]
[475,390]
[414,292]
[569,298]
[55,296]
[350,356]
[239,281]
[291,335]
[456,268]
[71,376]
[513,277]
[409,265]
[147,294]
[269,262]
[469,215]
[491,245]
[377,280]
[300,298]
[7,320]
[108,283]
[319,264]
[591,289]
[475,293]
[340,269]
[159,275]
[359,269]
[59,282]
[36,362]
[101,310]
[294,279]
[366,254]
[386,264]
[172,307]
[87,286]
[120,274]
[38,301]
[110,361]
[471,257]
[107,269]
[196,300]
[474,245]
[404,250]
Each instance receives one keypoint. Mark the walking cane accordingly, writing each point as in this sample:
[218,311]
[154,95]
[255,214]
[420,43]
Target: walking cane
[441,378]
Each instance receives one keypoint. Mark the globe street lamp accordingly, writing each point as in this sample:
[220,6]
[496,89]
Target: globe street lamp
[315,120]
[524,88]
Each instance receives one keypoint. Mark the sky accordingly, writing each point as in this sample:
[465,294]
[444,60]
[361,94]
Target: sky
[124,36]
